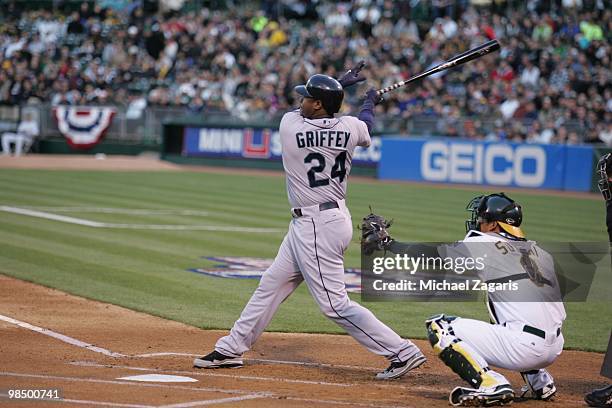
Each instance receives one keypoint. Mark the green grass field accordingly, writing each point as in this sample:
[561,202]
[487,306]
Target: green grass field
[146,270]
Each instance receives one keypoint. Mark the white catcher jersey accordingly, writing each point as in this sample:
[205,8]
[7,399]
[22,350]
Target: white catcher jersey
[501,262]
[317,156]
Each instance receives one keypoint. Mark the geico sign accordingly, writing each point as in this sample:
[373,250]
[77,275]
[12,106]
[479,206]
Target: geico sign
[476,163]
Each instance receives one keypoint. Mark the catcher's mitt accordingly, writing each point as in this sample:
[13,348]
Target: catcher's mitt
[374,234]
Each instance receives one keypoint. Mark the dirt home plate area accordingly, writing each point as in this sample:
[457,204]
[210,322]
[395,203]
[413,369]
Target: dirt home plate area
[50,339]
[283,369]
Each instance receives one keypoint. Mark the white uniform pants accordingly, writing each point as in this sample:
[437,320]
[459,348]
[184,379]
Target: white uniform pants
[20,141]
[510,347]
[313,251]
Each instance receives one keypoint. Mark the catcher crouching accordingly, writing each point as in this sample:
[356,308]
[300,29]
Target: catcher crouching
[522,336]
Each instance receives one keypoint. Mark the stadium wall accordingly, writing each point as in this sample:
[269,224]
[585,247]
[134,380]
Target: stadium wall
[444,160]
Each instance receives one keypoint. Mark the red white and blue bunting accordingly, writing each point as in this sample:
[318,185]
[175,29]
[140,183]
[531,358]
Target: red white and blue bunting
[83,126]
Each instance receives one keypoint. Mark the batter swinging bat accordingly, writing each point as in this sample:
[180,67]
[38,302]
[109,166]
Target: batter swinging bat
[469,55]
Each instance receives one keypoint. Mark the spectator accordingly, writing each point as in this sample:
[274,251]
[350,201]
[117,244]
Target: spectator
[605,134]
[27,131]
[530,75]
[75,26]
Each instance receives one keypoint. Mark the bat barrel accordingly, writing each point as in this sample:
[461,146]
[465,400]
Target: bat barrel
[462,58]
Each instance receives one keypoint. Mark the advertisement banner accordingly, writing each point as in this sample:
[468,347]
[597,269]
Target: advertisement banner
[254,143]
[487,163]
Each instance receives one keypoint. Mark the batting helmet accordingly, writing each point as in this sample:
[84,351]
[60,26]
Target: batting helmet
[496,207]
[324,88]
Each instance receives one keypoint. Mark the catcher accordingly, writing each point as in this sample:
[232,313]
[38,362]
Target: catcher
[524,336]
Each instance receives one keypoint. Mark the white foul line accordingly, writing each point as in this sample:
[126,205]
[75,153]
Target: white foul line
[99,403]
[169,227]
[64,338]
[127,211]
[49,216]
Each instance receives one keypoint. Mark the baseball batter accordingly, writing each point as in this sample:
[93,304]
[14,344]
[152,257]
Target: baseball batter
[317,151]
[525,336]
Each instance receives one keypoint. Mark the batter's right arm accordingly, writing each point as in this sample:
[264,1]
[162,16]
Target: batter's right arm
[366,114]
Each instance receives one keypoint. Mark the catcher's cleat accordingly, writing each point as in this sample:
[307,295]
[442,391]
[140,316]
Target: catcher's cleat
[217,360]
[545,394]
[601,397]
[482,397]
[397,369]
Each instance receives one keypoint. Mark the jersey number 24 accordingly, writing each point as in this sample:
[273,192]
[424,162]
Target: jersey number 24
[339,169]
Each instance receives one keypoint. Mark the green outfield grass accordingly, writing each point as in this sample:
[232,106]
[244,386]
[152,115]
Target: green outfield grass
[146,270]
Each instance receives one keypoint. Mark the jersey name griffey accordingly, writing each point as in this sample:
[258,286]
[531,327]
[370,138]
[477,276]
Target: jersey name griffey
[317,156]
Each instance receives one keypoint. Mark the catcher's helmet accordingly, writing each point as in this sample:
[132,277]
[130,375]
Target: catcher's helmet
[324,88]
[496,207]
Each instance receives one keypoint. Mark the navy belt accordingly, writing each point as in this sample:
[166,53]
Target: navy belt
[297,212]
[537,332]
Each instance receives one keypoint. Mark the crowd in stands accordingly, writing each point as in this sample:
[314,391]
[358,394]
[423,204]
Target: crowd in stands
[549,83]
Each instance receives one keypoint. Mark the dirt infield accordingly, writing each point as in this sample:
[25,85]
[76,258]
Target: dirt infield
[282,370]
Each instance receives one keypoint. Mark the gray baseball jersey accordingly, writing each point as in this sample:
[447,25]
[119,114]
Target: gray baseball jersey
[317,156]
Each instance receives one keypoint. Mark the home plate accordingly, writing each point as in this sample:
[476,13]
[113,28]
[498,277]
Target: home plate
[159,378]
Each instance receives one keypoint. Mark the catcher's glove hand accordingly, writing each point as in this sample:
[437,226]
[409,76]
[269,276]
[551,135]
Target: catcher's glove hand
[374,234]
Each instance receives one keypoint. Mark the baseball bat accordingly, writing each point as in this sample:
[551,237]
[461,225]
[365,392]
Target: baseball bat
[481,50]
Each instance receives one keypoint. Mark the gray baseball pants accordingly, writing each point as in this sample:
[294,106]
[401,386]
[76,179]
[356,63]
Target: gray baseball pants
[313,251]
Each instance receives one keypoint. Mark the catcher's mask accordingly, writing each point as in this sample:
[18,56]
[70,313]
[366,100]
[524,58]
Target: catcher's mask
[604,170]
[496,207]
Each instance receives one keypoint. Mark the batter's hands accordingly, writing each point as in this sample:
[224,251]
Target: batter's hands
[372,95]
[374,234]
[353,75]
[604,170]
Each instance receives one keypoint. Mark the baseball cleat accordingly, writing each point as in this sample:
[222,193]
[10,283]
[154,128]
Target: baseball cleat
[397,369]
[601,397]
[482,397]
[217,360]
[544,394]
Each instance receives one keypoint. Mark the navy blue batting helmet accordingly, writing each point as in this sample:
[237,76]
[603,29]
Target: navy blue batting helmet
[324,88]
